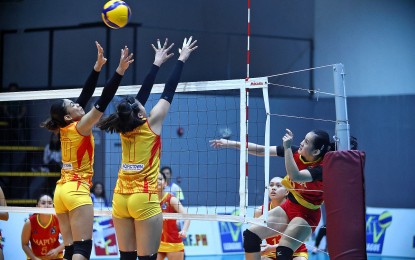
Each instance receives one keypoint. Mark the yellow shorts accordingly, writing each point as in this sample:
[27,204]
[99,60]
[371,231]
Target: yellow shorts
[139,206]
[70,195]
[171,247]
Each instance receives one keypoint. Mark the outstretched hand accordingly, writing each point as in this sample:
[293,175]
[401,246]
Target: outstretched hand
[187,48]
[287,139]
[162,52]
[125,60]
[218,143]
[101,60]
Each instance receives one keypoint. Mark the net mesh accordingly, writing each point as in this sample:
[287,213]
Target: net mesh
[200,112]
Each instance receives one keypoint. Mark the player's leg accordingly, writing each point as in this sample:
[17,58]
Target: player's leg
[82,220]
[161,255]
[254,235]
[124,226]
[300,230]
[148,239]
[175,255]
[125,230]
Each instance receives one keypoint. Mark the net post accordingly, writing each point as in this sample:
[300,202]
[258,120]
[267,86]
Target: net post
[342,122]
[267,153]
[243,158]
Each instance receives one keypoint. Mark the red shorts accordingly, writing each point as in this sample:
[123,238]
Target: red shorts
[296,210]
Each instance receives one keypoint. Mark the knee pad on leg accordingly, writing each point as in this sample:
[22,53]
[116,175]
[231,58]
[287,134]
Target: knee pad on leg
[68,252]
[148,257]
[132,255]
[252,242]
[83,248]
[284,253]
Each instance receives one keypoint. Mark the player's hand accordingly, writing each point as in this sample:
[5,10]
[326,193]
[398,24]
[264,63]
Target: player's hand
[101,60]
[182,234]
[52,254]
[267,249]
[162,52]
[125,60]
[219,143]
[187,48]
[287,139]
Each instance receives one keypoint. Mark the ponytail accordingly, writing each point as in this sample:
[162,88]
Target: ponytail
[124,120]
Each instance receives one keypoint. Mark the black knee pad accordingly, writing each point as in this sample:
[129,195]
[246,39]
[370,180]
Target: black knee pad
[252,242]
[132,255]
[68,252]
[148,257]
[284,253]
[83,248]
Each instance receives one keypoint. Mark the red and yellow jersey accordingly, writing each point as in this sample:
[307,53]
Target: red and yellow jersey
[170,240]
[301,251]
[307,194]
[77,155]
[44,238]
[140,163]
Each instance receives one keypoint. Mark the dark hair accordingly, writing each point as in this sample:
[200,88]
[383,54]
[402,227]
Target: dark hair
[321,141]
[41,195]
[103,190]
[54,146]
[166,168]
[124,120]
[353,144]
[164,175]
[57,116]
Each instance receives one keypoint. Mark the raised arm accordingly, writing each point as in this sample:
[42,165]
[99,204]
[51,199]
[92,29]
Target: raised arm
[159,111]
[91,82]
[161,55]
[178,207]
[254,149]
[290,165]
[91,118]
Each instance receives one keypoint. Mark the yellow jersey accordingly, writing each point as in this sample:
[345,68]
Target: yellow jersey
[77,155]
[140,163]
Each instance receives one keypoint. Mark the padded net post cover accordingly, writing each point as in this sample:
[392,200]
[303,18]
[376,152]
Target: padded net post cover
[344,196]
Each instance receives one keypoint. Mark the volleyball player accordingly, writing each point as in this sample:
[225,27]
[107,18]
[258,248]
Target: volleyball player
[300,214]
[72,200]
[277,194]
[42,231]
[171,245]
[135,207]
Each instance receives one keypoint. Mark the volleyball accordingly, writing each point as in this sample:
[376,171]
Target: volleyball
[385,219]
[116,14]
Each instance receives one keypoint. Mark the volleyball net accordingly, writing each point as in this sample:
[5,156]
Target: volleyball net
[201,111]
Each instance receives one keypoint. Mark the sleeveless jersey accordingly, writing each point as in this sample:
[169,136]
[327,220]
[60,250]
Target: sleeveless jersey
[276,239]
[44,238]
[307,194]
[140,163]
[170,234]
[77,155]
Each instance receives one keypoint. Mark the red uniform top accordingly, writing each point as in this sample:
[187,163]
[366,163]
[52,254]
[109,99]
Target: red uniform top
[307,194]
[44,238]
[301,251]
[170,232]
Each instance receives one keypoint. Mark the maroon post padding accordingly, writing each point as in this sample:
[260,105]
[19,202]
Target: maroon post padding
[344,196]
